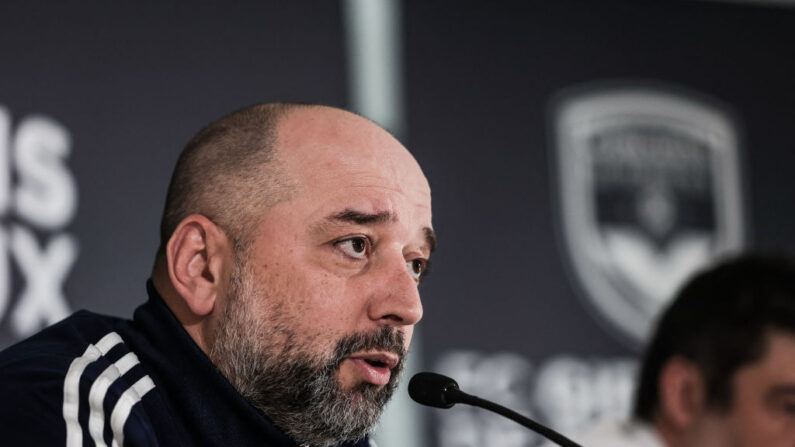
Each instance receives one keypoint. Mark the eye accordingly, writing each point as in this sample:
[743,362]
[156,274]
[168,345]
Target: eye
[418,267]
[355,247]
[788,408]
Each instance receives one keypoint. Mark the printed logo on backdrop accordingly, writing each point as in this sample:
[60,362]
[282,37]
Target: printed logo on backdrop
[649,191]
[565,392]
[38,199]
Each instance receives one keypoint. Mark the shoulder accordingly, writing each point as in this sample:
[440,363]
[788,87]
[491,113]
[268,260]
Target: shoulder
[49,353]
[70,381]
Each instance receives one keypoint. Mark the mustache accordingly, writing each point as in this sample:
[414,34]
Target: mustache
[383,339]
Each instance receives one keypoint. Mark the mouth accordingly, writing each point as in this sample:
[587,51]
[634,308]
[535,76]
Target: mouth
[374,367]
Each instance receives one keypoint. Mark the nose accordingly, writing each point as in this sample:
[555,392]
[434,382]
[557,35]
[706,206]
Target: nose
[395,299]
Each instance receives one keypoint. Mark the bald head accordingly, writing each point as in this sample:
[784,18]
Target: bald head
[236,168]
[325,149]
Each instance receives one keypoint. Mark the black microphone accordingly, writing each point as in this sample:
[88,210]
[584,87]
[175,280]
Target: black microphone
[436,390]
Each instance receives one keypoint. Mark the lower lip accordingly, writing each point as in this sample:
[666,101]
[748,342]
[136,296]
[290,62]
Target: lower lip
[377,375]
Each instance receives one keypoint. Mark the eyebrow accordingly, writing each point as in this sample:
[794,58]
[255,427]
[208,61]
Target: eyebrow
[430,238]
[781,390]
[361,218]
[349,215]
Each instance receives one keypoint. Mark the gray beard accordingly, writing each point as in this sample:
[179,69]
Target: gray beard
[288,382]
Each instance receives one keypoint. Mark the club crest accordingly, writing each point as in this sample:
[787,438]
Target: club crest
[649,190]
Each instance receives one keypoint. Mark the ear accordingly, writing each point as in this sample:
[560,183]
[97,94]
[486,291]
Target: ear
[199,258]
[682,392]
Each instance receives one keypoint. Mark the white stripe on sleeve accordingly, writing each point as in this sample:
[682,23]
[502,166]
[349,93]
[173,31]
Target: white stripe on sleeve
[71,386]
[121,411]
[96,418]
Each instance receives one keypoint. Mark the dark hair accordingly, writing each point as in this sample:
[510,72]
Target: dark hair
[719,321]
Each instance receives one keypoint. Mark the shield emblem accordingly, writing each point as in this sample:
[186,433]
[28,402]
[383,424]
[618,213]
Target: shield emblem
[649,190]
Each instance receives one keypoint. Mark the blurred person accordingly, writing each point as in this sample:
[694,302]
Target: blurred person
[281,304]
[719,369]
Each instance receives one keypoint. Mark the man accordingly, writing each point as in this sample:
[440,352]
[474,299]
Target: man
[720,368]
[281,304]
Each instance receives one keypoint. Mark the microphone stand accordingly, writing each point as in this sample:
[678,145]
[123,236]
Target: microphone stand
[456,395]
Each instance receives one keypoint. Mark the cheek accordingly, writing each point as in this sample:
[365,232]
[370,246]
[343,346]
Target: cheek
[754,425]
[320,304]
[324,307]
[409,334]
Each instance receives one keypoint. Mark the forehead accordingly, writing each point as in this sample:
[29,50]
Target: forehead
[776,368]
[779,353]
[336,155]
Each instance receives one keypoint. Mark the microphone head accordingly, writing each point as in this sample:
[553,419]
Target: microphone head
[430,389]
